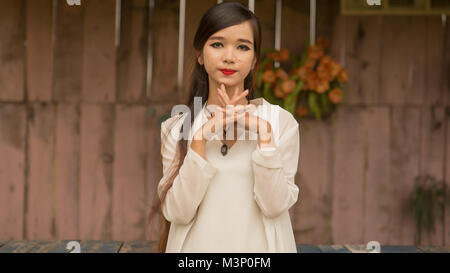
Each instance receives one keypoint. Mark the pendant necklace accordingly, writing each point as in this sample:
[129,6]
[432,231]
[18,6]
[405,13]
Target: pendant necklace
[224,148]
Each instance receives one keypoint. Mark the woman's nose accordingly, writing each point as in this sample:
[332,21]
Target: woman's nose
[229,55]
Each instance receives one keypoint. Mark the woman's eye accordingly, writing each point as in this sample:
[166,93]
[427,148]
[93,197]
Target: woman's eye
[245,47]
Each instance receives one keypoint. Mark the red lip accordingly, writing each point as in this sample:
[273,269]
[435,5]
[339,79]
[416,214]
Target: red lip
[227,71]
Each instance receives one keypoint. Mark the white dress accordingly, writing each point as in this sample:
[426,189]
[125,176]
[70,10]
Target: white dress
[233,203]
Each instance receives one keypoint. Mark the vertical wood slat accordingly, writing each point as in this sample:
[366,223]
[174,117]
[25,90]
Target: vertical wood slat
[68,52]
[435,76]
[131,60]
[99,52]
[404,161]
[349,166]
[378,195]
[363,43]
[12,170]
[40,153]
[312,212]
[39,49]
[67,160]
[96,170]
[265,12]
[12,50]
[165,39]
[129,193]
[402,60]
[432,156]
[298,12]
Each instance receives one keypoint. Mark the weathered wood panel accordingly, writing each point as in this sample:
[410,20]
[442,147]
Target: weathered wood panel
[405,156]
[402,76]
[165,52]
[265,11]
[12,50]
[41,180]
[96,171]
[378,196]
[68,52]
[67,159]
[435,76]
[132,58]
[39,50]
[349,181]
[363,41]
[432,157]
[312,212]
[153,167]
[129,193]
[295,19]
[99,52]
[12,170]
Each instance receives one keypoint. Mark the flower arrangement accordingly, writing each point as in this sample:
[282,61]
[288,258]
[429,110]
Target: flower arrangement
[314,83]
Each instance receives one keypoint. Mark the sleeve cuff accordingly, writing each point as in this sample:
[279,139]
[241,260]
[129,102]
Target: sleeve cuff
[267,158]
[204,165]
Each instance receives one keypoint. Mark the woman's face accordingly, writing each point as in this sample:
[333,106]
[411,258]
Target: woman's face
[230,48]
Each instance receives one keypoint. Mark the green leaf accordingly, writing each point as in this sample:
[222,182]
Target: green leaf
[324,102]
[290,102]
[269,96]
[313,104]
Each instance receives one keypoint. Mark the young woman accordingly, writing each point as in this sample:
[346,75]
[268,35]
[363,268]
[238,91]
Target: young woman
[232,193]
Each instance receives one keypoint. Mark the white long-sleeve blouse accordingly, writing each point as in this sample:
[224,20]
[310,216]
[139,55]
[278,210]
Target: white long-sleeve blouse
[233,203]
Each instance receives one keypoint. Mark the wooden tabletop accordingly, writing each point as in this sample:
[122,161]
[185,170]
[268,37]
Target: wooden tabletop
[92,246]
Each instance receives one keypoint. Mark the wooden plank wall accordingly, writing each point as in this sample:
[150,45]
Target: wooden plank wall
[80,139]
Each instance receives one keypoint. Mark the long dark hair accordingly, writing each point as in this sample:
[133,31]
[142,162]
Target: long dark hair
[216,18]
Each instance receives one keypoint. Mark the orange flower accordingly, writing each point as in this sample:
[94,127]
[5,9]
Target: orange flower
[326,59]
[301,111]
[284,54]
[280,73]
[269,76]
[315,52]
[302,72]
[310,63]
[274,55]
[288,86]
[278,93]
[322,86]
[342,76]
[323,72]
[335,68]
[335,95]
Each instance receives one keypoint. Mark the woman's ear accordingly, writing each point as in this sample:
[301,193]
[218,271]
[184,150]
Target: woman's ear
[200,59]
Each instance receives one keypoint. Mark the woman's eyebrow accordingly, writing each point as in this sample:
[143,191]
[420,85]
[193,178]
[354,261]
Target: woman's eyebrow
[221,38]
